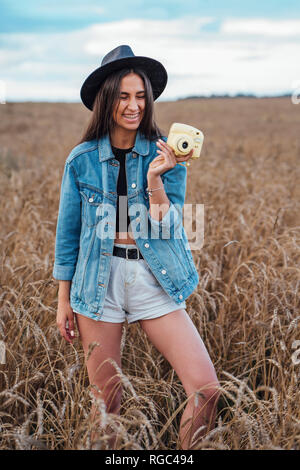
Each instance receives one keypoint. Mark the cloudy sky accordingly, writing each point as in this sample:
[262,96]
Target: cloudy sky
[48,48]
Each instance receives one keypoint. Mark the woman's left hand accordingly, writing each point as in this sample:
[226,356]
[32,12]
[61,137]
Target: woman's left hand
[166,159]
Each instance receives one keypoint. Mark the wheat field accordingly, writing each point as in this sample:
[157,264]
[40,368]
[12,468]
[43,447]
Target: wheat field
[246,306]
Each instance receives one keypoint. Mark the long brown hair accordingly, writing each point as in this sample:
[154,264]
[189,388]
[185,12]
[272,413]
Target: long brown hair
[107,98]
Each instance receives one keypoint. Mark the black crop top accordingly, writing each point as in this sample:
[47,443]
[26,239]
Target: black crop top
[120,155]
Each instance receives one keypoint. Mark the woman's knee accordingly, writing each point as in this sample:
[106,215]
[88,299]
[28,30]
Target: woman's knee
[206,390]
[110,392]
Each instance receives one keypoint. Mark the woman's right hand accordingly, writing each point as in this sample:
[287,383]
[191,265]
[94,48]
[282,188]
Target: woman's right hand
[64,314]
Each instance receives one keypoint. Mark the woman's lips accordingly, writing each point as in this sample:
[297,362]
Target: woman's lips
[131,119]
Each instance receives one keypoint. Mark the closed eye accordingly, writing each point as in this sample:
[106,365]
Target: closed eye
[125,97]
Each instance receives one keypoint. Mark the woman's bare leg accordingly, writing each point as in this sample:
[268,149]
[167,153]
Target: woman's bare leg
[102,374]
[177,338]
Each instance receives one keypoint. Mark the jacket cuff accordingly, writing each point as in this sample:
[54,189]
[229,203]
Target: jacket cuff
[63,273]
[171,218]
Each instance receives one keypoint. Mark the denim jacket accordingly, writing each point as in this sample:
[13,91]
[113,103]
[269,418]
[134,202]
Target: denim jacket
[85,230]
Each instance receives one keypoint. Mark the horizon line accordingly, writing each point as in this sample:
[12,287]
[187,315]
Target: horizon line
[189,97]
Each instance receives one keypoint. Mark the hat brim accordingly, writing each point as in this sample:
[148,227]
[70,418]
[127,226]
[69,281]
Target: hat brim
[154,69]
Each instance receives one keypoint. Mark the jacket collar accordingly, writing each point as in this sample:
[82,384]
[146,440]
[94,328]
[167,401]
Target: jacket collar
[141,146]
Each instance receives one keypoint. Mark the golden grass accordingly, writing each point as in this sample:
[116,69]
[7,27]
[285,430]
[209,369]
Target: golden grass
[246,306]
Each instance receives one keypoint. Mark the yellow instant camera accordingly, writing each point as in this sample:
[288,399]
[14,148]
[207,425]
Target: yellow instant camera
[183,138]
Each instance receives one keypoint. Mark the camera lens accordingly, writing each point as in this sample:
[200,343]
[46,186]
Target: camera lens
[184,145]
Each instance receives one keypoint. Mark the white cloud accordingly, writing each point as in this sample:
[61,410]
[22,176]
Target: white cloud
[40,91]
[261,26]
[53,66]
[145,32]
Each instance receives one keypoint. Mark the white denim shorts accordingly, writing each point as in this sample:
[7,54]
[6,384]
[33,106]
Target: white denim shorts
[133,293]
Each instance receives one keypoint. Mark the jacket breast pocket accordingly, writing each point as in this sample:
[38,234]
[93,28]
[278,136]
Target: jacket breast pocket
[91,204]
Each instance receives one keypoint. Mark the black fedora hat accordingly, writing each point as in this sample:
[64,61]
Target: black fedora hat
[118,58]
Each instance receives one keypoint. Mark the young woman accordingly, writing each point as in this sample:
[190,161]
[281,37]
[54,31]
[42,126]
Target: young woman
[112,265]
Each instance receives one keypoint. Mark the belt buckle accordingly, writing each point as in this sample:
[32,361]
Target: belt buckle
[132,258]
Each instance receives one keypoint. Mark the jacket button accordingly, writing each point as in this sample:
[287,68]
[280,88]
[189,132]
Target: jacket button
[180,296]
[146,245]
[133,185]
[163,271]
[133,155]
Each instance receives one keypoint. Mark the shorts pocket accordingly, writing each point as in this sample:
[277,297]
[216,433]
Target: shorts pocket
[149,276]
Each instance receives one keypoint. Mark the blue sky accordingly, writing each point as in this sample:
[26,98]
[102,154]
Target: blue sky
[47,48]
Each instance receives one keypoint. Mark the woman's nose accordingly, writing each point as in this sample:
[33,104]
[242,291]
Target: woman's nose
[132,105]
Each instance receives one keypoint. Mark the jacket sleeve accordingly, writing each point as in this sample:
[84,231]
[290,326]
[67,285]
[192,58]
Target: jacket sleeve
[68,226]
[174,181]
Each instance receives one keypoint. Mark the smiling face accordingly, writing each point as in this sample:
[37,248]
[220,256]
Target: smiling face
[129,112]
